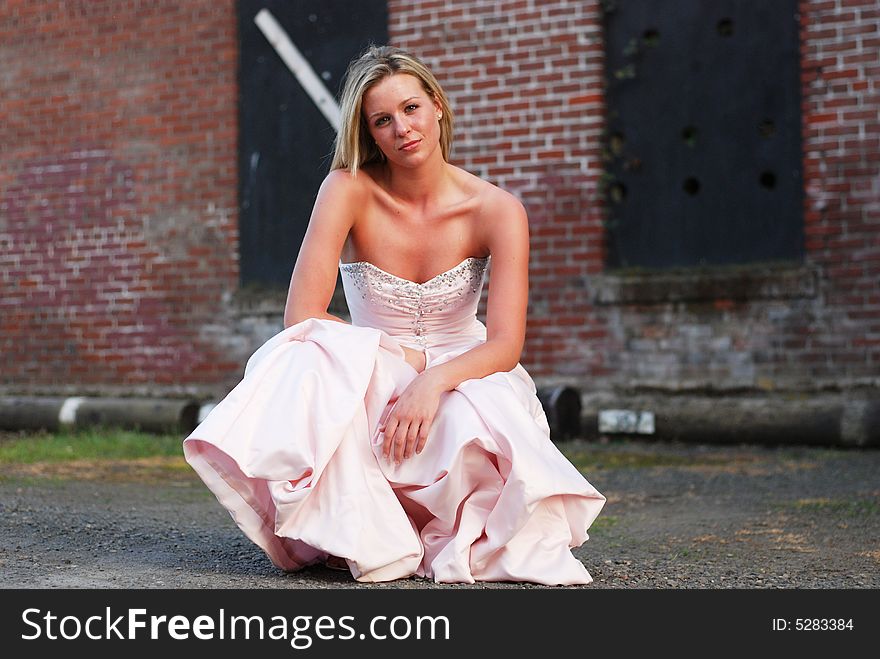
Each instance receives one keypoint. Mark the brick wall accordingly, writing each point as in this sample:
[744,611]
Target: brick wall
[841,108]
[525,79]
[118,208]
[525,82]
[118,212]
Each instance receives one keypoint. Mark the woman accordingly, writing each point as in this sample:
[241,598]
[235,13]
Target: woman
[410,442]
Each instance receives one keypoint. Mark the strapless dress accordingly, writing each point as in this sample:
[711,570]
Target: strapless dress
[294,450]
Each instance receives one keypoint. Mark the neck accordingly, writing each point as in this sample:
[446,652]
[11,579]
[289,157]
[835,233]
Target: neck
[419,185]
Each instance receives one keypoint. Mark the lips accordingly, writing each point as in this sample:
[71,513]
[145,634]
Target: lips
[409,146]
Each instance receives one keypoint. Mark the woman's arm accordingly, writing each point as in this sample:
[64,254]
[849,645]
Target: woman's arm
[314,275]
[507,236]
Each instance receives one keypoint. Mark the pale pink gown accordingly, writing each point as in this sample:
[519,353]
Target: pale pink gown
[294,451]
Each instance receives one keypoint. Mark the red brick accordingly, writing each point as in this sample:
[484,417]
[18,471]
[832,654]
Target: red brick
[176,283]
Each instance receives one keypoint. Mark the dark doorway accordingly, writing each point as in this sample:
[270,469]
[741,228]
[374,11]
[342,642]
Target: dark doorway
[285,142]
[703,151]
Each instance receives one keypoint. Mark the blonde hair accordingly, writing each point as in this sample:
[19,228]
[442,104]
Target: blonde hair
[354,147]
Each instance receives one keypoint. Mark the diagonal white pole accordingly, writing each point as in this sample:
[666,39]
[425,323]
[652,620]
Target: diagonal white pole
[300,67]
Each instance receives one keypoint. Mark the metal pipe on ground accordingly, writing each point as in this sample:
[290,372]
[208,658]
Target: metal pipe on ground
[562,405]
[819,420]
[157,415]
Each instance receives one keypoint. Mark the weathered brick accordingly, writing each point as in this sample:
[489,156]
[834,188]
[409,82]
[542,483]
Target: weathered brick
[104,155]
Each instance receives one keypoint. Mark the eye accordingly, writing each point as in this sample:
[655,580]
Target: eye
[381,121]
[411,107]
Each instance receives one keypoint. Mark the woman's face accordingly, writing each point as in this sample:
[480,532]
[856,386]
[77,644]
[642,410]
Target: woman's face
[403,119]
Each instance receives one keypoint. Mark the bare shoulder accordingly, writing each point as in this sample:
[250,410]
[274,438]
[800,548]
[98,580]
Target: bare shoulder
[500,213]
[503,205]
[341,182]
[494,203]
[341,199]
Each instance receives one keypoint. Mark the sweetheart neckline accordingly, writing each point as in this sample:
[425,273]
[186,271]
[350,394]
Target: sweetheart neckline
[410,281]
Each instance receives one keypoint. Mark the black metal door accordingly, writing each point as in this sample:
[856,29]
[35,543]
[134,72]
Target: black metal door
[703,153]
[285,142]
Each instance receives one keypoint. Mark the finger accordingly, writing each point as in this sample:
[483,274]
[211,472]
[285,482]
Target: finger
[390,430]
[423,436]
[402,442]
[388,449]
[395,446]
[412,438]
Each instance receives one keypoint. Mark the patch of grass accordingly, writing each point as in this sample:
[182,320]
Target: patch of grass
[589,461]
[846,507]
[603,523]
[86,444]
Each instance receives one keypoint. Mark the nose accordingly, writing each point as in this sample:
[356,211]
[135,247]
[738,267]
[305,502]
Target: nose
[401,126]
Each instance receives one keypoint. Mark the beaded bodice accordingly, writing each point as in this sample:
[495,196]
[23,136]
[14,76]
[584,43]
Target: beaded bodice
[419,314]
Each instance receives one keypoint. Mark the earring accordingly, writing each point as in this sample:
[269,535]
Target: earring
[439,115]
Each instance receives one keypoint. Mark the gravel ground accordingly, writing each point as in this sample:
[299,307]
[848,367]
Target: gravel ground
[682,516]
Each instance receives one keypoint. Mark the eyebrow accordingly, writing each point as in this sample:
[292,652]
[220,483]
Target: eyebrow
[402,103]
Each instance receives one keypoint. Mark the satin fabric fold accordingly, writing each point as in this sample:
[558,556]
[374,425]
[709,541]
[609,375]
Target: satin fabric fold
[294,453]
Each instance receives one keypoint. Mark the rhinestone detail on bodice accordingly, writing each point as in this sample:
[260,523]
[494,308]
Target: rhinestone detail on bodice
[427,306]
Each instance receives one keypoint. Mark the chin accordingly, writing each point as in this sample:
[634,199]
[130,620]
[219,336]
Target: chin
[413,159]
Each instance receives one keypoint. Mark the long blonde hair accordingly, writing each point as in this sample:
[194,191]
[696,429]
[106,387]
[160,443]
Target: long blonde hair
[354,147]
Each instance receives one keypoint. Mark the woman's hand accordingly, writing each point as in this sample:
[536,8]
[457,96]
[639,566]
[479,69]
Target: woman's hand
[407,425]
